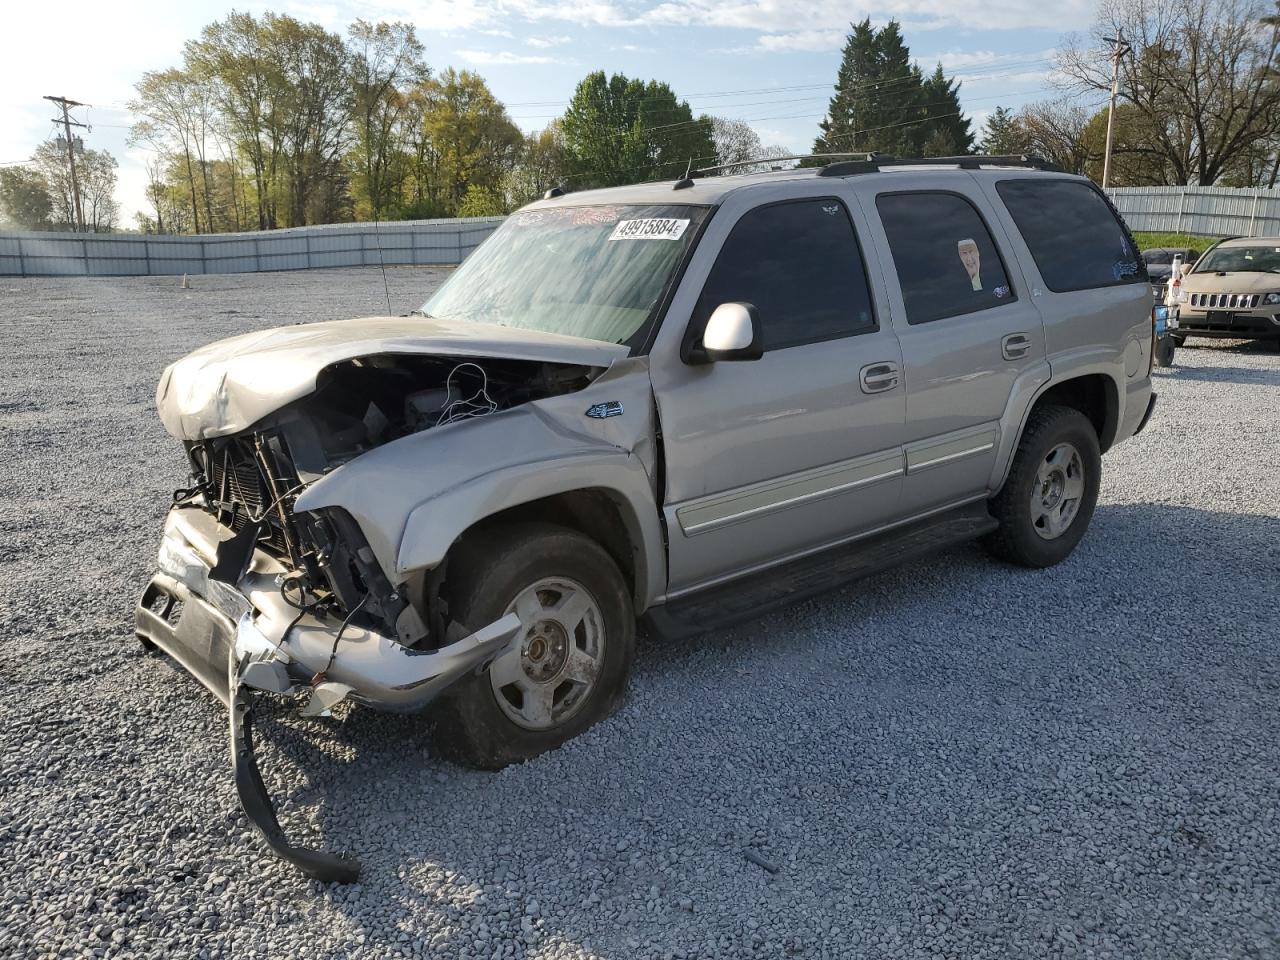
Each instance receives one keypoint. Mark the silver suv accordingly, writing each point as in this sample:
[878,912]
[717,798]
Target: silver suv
[691,401]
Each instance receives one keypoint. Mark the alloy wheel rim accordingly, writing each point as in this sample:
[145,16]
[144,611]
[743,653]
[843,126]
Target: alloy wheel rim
[546,675]
[1057,491]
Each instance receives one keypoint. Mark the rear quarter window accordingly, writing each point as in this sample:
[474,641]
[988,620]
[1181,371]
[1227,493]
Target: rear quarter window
[1073,235]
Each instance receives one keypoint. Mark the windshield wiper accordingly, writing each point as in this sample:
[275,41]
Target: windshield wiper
[419,313]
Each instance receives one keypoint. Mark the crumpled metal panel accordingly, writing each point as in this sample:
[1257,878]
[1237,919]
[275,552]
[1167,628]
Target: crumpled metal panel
[225,387]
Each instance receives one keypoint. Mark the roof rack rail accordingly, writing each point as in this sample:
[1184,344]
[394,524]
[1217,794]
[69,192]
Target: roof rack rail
[874,161]
[701,171]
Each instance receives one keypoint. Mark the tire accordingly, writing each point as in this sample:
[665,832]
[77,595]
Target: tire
[1043,535]
[1164,351]
[1178,340]
[565,678]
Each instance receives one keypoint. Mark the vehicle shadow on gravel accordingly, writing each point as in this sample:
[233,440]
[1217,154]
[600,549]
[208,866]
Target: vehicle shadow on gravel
[1266,378]
[809,753]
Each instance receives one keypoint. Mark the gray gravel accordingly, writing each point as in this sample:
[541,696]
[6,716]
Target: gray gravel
[959,760]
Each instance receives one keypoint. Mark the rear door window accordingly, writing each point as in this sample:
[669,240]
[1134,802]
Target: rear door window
[1075,239]
[946,259]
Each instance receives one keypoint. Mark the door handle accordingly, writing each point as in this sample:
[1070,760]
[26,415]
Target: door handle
[1015,345]
[878,377]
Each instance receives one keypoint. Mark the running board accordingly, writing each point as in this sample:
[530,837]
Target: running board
[759,593]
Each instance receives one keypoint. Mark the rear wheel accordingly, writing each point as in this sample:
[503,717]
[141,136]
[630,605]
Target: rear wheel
[568,667]
[1164,351]
[1047,501]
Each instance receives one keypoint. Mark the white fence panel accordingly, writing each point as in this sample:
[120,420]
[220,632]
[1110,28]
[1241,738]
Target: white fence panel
[1203,211]
[406,242]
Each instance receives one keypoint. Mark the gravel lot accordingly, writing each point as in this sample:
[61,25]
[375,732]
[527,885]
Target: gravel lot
[957,760]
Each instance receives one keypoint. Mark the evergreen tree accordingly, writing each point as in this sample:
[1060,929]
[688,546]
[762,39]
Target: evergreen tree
[1004,135]
[883,102]
[945,130]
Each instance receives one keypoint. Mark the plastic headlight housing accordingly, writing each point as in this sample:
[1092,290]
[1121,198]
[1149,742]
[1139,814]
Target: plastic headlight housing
[1271,299]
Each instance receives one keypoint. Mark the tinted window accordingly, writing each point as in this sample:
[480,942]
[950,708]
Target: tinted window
[947,262]
[1076,240]
[800,265]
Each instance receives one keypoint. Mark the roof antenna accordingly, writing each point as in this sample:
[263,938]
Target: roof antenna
[685,182]
[385,289]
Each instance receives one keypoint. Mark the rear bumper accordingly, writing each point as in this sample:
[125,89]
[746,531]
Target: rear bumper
[246,639]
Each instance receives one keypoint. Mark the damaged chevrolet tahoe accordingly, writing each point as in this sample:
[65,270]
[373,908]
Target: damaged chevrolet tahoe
[686,401]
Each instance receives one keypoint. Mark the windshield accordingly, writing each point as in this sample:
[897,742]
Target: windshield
[1240,260]
[597,272]
[1158,256]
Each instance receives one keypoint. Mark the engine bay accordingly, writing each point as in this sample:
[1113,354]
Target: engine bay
[369,401]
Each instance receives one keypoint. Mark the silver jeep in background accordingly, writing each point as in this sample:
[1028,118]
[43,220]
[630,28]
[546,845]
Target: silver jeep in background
[686,401]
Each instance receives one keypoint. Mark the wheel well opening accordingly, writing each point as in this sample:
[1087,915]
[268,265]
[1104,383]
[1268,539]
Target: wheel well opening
[1093,395]
[592,512]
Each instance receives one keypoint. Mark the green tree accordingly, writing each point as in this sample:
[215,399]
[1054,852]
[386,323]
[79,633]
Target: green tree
[944,131]
[1003,134]
[235,57]
[619,130]
[482,202]
[177,113]
[467,139]
[883,103]
[386,60]
[542,164]
[24,198]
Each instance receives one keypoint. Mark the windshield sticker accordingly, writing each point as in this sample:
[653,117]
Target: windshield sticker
[651,228]
[1124,268]
[972,262]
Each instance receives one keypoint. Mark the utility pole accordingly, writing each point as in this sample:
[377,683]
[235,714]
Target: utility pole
[1120,47]
[67,124]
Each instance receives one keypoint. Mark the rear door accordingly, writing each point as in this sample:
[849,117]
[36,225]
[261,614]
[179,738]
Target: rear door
[971,335]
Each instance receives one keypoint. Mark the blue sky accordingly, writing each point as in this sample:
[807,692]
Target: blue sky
[769,62]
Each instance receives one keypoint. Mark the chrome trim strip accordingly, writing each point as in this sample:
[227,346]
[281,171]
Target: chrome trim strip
[788,491]
[953,456]
[949,447]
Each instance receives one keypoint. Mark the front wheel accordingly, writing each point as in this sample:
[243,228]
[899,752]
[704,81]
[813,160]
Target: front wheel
[568,667]
[1164,351]
[1047,501]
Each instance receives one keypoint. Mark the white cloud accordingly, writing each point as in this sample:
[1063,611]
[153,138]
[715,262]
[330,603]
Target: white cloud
[488,57]
[543,43]
[804,40]
[971,60]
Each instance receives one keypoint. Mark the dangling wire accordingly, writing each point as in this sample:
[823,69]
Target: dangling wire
[462,408]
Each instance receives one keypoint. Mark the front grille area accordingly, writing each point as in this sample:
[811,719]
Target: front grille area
[238,490]
[1226,301]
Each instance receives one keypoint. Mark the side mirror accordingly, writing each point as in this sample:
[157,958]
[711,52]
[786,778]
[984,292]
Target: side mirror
[733,333]
[1186,268]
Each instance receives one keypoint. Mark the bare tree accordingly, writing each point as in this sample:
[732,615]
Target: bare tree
[1201,77]
[1055,130]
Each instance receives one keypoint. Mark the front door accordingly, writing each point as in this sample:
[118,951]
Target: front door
[802,447]
[971,335]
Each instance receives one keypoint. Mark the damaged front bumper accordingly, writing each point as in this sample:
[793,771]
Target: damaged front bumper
[239,640]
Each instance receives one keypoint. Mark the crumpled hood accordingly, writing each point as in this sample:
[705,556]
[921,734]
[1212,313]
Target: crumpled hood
[227,386]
